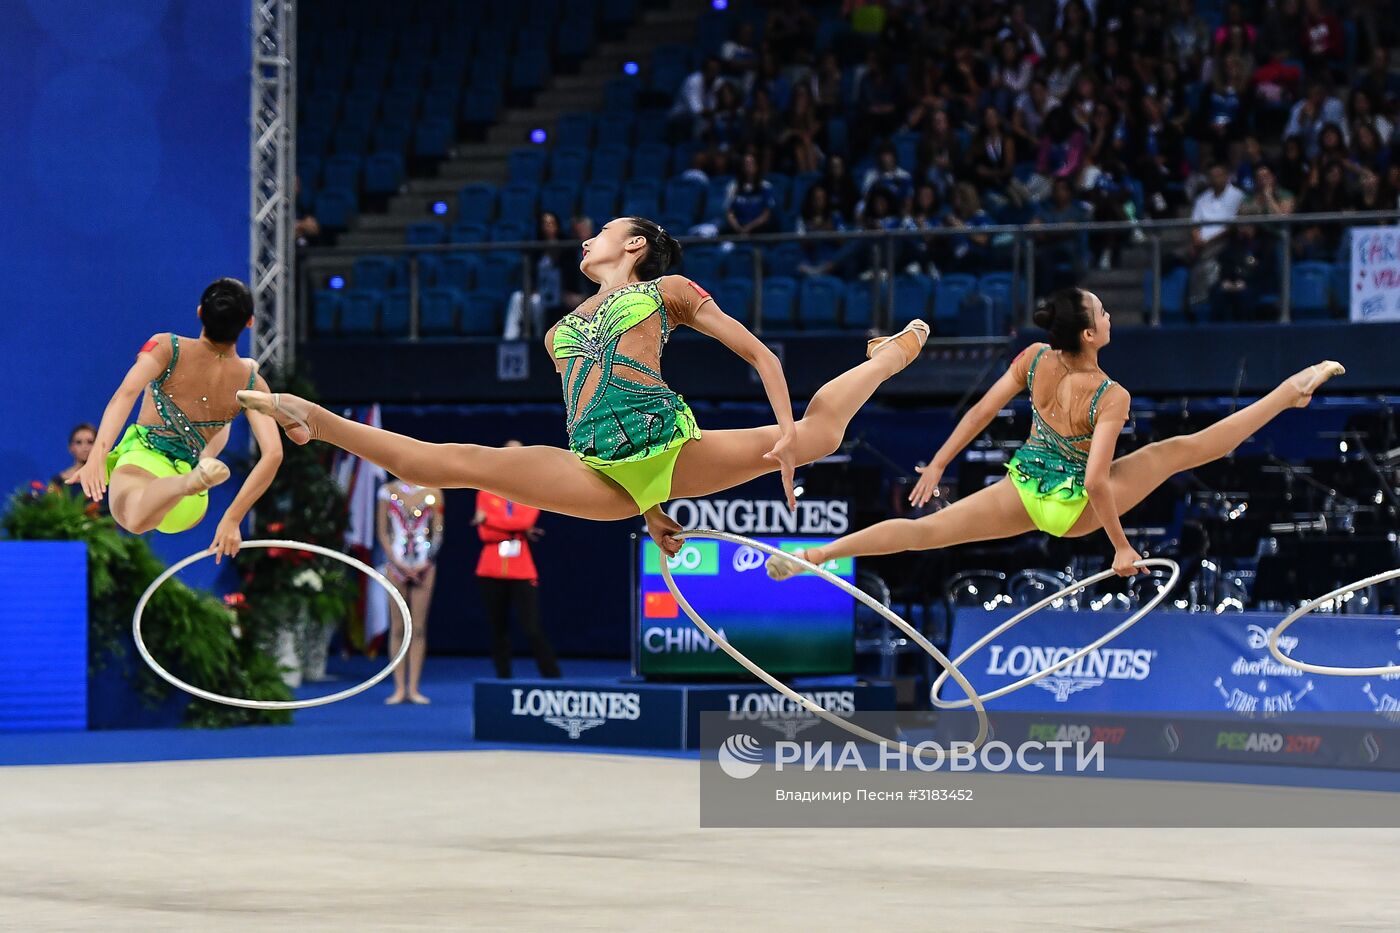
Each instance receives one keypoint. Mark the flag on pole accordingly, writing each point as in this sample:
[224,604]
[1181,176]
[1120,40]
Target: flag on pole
[361,481]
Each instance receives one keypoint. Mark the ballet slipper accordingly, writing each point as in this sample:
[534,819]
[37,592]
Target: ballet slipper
[784,568]
[1308,381]
[290,412]
[208,474]
[909,342]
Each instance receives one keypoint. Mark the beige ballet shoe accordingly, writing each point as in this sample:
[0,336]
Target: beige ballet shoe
[784,568]
[908,342]
[1311,379]
[278,406]
[208,474]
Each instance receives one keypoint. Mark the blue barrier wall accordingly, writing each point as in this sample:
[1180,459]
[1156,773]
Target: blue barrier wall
[1182,662]
[43,626]
[124,175]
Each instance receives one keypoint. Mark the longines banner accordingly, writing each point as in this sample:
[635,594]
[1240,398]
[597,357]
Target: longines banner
[1178,661]
[553,712]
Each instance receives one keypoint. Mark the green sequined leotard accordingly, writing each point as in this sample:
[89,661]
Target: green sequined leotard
[623,420]
[1048,470]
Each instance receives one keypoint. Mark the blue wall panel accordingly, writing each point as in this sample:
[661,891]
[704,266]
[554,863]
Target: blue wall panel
[43,626]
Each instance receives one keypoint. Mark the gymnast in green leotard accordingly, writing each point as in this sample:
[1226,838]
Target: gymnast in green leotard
[633,441]
[1064,479]
[158,476]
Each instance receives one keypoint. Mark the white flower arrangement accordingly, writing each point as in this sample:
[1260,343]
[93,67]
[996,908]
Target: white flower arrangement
[308,579]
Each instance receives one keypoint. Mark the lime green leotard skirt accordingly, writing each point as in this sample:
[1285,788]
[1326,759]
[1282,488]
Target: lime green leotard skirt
[1053,506]
[636,440]
[137,449]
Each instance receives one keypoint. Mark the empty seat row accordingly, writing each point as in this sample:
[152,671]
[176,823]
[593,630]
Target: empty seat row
[442,312]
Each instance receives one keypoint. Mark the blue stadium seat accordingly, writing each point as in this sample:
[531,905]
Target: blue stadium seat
[383,173]
[609,163]
[615,129]
[482,313]
[906,147]
[651,125]
[781,186]
[446,72]
[400,107]
[429,268]
[481,105]
[667,75]
[519,203]
[779,303]
[499,272]
[341,171]
[568,164]
[468,233]
[526,164]
[976,317]
[425,233]
[486,70]
[511,231]
[684,197]
[359,316]
[458,272]
[529,70]
[620,95]
[575,37]
[391,138]
[574,129]
[819,302]
[738,262]
[439,312]
[407,72]
[783,259]
[440,103]
[335,208]
[393,314]
[360,107]
[641,197]
[677,224]
[858,307]
[325,311]
[309,170]
[801,184]
[651,160]
[561,199]
[372,272]
[618,12]
[1174,286]
[714,199]
[1339,282]
[432,138]
[702,264]
[476,203]
[1309,283]
[735,298]
[600,201]
[533,38]
[997,287]
[947,299]
[911,297]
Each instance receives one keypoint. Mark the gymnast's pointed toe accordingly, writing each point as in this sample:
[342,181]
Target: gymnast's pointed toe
[290,412]
[783,568]
[1311,379]
[208,474]
[908,343]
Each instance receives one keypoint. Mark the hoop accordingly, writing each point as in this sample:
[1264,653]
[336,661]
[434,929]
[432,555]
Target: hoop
[1104,639]
[856,593]
[364,568]
[1306,608]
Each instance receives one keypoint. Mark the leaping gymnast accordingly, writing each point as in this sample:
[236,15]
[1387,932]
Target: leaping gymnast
[633,442]
[159,474]
[1064,480]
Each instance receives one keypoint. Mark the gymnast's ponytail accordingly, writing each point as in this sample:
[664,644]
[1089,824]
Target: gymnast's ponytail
[663,252]
[1066,316]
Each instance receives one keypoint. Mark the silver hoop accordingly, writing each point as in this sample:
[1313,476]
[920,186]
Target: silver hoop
[854,592]
[1306,608]
[364,568]
[1063,662]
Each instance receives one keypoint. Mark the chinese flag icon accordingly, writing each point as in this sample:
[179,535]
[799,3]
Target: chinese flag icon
[660,606]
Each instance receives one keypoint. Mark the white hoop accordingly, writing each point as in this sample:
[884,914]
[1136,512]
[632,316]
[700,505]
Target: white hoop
[364,568]
[856,593]
[1113,633]
[1306,608]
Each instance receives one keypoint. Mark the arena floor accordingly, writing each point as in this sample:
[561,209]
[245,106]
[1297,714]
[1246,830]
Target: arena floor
[505,840]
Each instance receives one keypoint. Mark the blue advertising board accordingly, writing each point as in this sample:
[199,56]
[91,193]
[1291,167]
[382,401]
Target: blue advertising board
[554,712]
[1172,661]
[752,704]
[43,626]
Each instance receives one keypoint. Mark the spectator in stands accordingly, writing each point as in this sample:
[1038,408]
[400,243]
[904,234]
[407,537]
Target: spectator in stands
[1060,69]
[727,123]
[827,84]
[938,153]
[1017,28]
[1294,165]
[1159,154]
[508,580]
[966,252]
[1312,113]
[749,205]
[1367,151]
[845,197]
[877,101]
[889,176]
[770,78]
[1326,193]
[1370,195]
[80,441]
[1188,38]
[791,32]
[1060,255]
[803,127]
[1323,39]
[1249,262]
[1220,201]
[923,95]
[1378,81]
[557,285]
[1012,76]
[1268,198]
[695,101]
[1331,145]
[965,82]
[739,55]
[1235,22]
[991,162]
[820,215]
[1032,108]
[1361,112]
[1061,151]
[761,132]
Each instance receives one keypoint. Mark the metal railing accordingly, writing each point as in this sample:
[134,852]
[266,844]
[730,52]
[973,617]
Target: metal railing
[1014,246]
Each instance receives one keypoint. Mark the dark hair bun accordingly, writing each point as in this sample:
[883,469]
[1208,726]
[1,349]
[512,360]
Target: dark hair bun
[1066,315]
[671,249]
[1044,316]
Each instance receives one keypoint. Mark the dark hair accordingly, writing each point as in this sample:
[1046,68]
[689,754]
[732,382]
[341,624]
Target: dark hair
[85,426]
[663,252]
[1065,315]
[226,307]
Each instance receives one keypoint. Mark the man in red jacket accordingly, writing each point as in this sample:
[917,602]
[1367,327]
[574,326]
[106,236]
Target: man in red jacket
[506,574]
